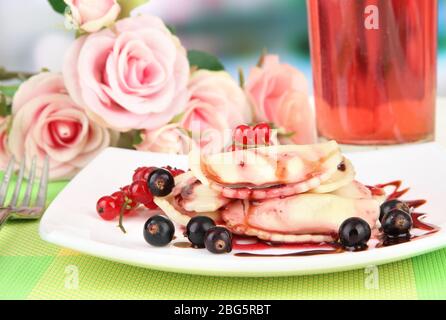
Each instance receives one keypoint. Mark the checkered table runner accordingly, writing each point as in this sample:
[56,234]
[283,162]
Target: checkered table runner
[33,269]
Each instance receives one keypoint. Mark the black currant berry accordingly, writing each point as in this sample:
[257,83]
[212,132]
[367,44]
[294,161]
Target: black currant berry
[354,233]
[218,240]
[196,230]
[158,231]
[390,205]
[396,223]
[160,182]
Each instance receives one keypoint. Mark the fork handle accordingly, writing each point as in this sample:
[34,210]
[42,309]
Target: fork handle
[5,213]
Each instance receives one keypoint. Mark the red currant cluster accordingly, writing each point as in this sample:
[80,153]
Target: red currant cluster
[245,137]
[131,196]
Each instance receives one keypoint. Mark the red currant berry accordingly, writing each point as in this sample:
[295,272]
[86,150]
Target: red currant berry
[177,172]
[235,147]
[140,192]
[243,134]
[119,196]
[108,208]
[126,190]
[122,200]
[174,171]
[262,133]
[142,173]
[151,205]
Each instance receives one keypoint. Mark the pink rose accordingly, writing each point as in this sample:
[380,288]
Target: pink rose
[133,76]
[279,94]
[93,15]
[217,104]
[46,121]
[168,139]
[5,154]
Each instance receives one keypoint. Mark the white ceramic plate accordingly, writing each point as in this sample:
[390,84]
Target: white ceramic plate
[71,220]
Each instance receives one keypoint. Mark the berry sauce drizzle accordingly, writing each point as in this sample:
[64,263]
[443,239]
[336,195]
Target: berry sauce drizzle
[309,249]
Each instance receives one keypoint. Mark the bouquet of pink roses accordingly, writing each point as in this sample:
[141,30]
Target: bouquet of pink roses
[129,76]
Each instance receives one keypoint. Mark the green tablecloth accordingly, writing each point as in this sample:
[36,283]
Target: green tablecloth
[33,269]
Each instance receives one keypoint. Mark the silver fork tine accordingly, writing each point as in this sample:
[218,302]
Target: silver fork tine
[18,185]
[43,185]
[29,188]
[6,180]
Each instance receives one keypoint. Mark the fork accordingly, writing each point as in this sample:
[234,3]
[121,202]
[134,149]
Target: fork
[26,209]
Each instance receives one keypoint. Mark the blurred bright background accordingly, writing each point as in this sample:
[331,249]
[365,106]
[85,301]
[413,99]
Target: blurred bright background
[32,36]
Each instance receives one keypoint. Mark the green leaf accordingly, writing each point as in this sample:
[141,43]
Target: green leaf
[9,91]
[241,78]
[5,106]
[177,118]
[6,95]
[286,134]
[172,29]
[58,5]
[128,5]
[127,140]
[137,138]
[203,60]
